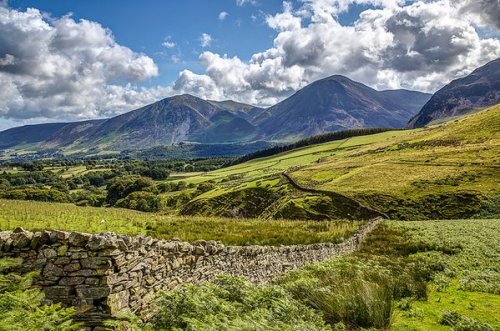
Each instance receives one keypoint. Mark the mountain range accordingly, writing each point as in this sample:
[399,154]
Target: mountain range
[327,105]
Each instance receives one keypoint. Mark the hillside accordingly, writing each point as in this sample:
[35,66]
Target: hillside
[478,90]
[337,103]
[447,171]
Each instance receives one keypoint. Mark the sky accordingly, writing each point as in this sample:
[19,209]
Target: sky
[67,60]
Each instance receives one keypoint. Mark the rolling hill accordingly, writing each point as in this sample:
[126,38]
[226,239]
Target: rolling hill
[446,171]
[478,90]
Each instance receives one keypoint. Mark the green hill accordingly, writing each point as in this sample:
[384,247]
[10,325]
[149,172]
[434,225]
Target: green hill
[449,170]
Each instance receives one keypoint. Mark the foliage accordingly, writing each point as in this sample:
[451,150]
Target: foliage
[22,307]
[121,187]
[230,303]
[461,323]
[143,201]
[37,194]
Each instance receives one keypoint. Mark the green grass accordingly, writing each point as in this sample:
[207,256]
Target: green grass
[470,282]
[403,173]
[46,216]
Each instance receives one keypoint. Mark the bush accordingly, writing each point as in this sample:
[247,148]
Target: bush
[121,187]
[461,323]
[37,194]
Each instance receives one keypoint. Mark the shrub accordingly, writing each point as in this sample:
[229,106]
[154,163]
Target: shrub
[461,323]
[121,187]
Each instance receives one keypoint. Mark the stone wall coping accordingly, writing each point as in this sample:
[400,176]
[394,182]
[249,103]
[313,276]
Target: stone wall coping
[21,239]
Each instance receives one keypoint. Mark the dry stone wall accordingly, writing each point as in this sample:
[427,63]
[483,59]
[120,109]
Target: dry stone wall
[103,274]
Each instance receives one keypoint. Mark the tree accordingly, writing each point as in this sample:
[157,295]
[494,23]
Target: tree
[121,187]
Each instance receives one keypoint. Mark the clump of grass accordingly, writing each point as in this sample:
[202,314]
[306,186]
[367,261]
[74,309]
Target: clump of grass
[460,323]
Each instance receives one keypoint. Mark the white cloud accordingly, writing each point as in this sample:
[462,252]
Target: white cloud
[168,43]
[205,40]
[64,69]
[419,45]
[223,15]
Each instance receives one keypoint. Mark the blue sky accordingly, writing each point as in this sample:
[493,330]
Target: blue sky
[258,52]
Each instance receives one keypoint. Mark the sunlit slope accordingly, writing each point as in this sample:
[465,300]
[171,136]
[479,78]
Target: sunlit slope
[447,170]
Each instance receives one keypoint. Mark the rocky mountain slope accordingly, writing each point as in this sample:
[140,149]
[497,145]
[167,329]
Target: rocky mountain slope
[478,90]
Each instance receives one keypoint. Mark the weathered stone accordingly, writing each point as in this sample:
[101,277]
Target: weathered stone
[58,291]
[92,292]
[21,239]
[18,230]
[51,270]
[78,239]
[96,263]
[62,260]
[99,242]
[92,281]
[73,266]
[49,253]
[71,281]
[58,236]
[39,239]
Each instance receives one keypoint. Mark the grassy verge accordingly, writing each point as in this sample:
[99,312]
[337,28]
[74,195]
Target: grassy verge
[41,216]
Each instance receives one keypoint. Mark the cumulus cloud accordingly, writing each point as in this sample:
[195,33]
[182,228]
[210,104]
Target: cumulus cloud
[418,45]
[205,40]
[67,69]
[223,15]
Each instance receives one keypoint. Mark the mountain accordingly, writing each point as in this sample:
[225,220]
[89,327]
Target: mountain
[337,103]
[479,89]
[331,104]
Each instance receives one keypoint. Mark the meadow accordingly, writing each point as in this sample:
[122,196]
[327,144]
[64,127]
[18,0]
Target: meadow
[32,215]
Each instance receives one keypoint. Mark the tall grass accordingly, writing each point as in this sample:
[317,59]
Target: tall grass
[46,216]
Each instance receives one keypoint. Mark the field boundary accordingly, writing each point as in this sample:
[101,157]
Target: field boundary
[104,274]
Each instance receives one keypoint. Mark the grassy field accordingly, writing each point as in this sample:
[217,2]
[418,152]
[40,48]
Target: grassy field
[33,215]
[449,170]
[469,283]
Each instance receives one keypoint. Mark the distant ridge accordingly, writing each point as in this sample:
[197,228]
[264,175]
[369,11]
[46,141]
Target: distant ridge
[338,103]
